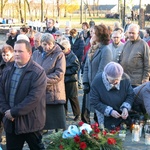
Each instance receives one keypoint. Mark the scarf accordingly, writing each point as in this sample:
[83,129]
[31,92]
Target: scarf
[92,50]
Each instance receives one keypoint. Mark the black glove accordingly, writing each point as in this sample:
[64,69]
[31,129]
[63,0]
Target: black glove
[86,88]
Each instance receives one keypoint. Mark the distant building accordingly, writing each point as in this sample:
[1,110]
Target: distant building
[108,8]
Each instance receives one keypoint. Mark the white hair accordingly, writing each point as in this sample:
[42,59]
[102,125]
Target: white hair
[65,44]
[22,37]
[134,26]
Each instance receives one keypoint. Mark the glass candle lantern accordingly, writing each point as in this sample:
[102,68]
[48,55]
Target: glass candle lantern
[136,132]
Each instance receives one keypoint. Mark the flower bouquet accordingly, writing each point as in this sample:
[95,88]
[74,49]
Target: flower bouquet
[84,137]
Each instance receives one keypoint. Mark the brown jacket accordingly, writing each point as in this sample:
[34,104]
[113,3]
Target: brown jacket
[54,65]
[135,60]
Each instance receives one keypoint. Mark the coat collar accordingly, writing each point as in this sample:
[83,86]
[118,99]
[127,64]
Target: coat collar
[108,85]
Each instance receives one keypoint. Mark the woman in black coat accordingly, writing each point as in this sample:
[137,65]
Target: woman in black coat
[71,78]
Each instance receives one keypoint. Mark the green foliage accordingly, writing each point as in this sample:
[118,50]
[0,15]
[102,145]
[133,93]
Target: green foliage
[93,141]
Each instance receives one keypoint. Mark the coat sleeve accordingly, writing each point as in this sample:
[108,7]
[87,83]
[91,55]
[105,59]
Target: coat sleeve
[106,57]
[95,99]
[59,72]
[80,49]
[129,96]
[3,103]
[85,72]
[72,66]
[145,97]
[146,65]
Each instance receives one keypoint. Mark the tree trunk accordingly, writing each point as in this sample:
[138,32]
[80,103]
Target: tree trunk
[93,7]
[89,10]
[28,5]
[97,7]
[42,14]
[3,3]
[1,8]
[58,9]
[20,11]
[65,13]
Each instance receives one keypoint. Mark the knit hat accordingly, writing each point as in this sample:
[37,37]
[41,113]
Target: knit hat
[113,70]
[58,33]
[22,37]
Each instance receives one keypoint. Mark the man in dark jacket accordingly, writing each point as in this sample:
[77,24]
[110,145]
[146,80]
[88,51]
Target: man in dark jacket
[12,37]
[20,102]
[50,26]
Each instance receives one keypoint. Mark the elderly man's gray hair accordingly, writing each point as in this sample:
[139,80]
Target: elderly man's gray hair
[47,37]
[135,26]
[38,35]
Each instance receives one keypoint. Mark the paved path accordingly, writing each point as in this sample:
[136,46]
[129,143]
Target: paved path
[128,144]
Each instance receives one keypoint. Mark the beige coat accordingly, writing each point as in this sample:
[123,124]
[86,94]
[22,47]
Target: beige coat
[54,65]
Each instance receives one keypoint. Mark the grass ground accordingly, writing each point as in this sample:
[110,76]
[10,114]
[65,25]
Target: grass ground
[76,22]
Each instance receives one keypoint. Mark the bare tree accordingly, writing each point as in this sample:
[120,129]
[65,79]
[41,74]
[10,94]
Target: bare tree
[97,7]
[20,11]
[58,9]
[3,3]
[28,5]
[94,4]
[42,7]
[88,7]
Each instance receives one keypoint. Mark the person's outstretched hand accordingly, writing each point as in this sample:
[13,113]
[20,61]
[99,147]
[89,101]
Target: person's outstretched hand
[124,113]
[115,114]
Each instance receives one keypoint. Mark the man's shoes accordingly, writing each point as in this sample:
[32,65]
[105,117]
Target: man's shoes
[76,118]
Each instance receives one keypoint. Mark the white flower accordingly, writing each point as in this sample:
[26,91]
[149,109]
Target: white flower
[86,127]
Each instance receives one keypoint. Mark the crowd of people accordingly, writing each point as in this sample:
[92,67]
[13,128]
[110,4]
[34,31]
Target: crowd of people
[41,72]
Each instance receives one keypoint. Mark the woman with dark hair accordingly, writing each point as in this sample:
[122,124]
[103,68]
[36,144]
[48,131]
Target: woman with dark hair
[85,34]
[97,58]
[7,53]
[77,46]
[7,57]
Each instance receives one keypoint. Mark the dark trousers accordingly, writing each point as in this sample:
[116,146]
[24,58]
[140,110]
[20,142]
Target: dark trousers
[72,95]
[85,113]
[1,127]
[16,142]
